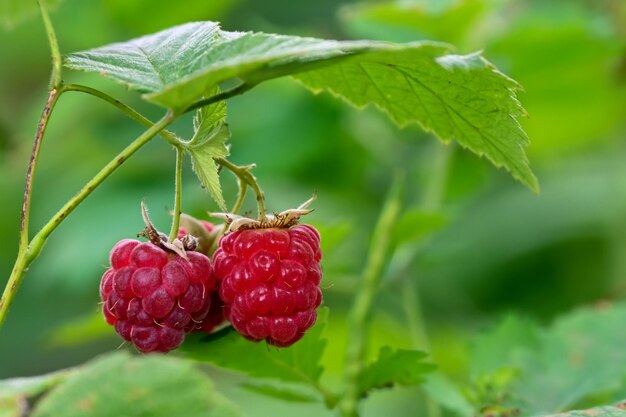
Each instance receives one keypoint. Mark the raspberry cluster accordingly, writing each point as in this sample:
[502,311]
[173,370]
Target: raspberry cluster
[265,282]
[269,282]
[153,297]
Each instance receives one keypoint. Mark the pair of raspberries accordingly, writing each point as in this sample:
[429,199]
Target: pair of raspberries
[265,282]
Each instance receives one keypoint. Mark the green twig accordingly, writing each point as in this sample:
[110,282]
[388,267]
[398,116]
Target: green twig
[359,314]
[243,173]
[241,195]
[25,258]
[177,194]
[56,78]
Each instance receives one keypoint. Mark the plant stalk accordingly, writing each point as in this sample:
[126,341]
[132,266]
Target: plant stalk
[56,77]
[53,97]
[361,309]
[178,187]
[243,174]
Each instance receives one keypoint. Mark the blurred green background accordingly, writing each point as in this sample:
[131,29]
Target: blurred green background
[475,244]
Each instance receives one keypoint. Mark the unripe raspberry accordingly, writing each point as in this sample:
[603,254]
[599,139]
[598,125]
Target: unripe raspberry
[269,282]
[207,225]
[152,296]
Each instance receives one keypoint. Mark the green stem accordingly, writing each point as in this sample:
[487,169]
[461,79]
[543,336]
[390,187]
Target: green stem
[25,258]
[134,114]
[241,195]
[55,79]
[243,174]
[177,194]
[359,314]
[53,97]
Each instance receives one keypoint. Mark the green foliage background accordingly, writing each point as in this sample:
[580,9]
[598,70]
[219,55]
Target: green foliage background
[473,246]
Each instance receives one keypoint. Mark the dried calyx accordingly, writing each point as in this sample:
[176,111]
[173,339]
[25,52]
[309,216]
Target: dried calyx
[283,220]
[177,246]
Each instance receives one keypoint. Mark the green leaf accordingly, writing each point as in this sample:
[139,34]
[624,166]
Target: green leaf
[457,97]
[120,384]
[13,12]
[394,367]
[30,386]
[582,354]
[460,97]
[209,142]
[16,392]
[282,393]
[228,349]
[550,370]
[175,67]
[608,411]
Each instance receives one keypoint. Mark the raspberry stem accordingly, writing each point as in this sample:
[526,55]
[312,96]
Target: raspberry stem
[361,309]
[177,195]
[55,79]
[244,175]
[53,97]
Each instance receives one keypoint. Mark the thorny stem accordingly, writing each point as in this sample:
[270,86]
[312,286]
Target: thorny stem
[359,314]
[53,97]
[55,79]
[243,174]
[177,194]
[25,258]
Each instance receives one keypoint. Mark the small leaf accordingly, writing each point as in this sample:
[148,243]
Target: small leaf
[394,367]
[282,393]
[228,349]
[120,385]
[209,142]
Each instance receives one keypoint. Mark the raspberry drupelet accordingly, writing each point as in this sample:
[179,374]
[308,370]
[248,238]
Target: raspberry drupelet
[153,297]
[269,281]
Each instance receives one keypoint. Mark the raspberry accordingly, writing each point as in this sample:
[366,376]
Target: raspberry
[153,297]
[269,282]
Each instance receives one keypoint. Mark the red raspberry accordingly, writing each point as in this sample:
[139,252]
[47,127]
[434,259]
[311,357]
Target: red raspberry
[269,282]
[153,297]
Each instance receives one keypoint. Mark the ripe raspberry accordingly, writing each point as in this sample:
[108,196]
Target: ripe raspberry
[269,282]
[152,296]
